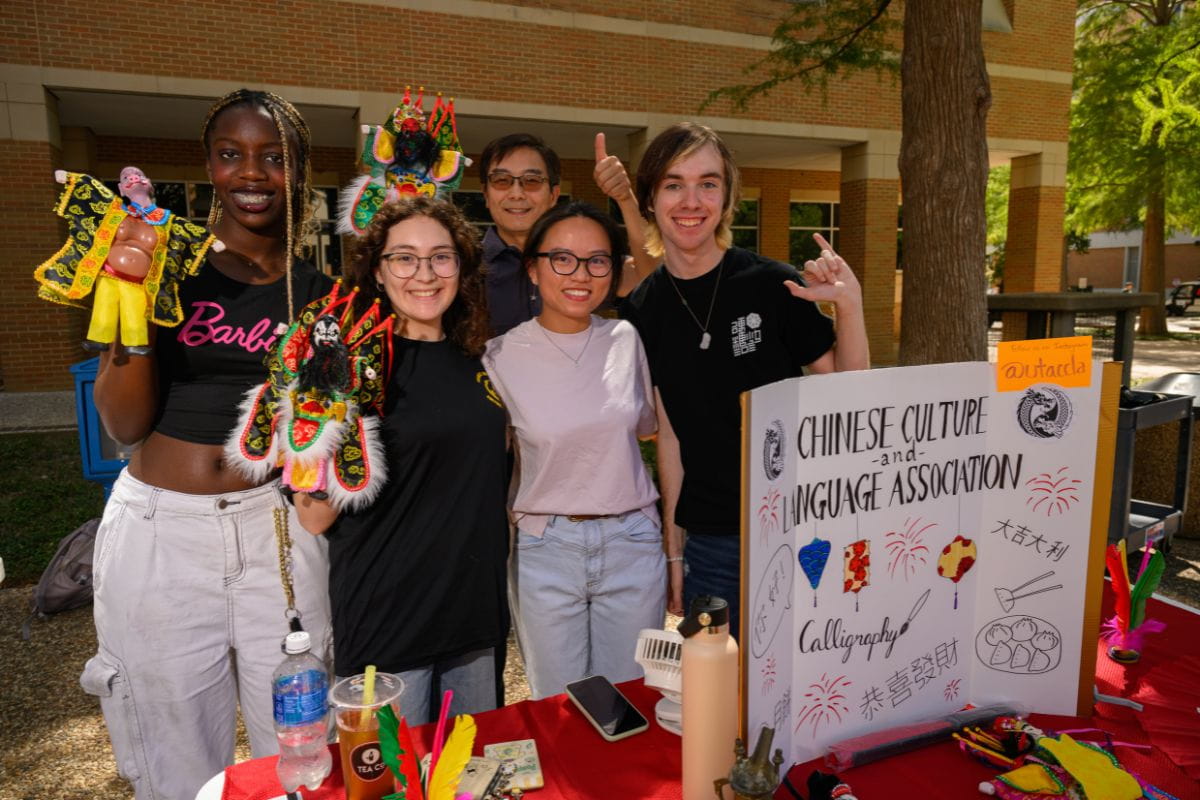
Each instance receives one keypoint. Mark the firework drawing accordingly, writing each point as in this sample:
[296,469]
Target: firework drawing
[824,703]
[768,674]
[951,692]
[1053,493]
[906,548]
[768,514]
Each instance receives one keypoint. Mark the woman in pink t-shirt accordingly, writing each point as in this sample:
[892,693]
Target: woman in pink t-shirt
[587,572]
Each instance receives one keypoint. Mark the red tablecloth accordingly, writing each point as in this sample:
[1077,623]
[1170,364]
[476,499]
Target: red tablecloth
[577,763]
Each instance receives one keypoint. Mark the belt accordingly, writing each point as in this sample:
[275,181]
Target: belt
[587,517]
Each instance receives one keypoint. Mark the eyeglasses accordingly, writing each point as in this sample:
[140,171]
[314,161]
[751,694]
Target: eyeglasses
[530,181]
[564,262]
[406,265]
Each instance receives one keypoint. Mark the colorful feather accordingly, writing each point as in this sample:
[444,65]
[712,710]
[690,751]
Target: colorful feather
[399,754]
[1117,570]
[1147,582]
[443,780]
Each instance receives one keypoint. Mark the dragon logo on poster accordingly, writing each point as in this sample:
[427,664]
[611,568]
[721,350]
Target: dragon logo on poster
[773,450]
[1044,412]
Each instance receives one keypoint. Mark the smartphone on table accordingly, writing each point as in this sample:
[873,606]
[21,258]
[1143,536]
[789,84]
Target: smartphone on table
[610,713]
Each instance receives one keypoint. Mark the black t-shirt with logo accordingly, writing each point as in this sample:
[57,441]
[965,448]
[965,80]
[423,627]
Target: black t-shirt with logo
[419,576]
[760,334]
[209,361]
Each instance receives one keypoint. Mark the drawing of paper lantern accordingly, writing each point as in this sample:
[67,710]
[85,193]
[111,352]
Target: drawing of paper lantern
[856,568]
[956,560]
[813,557]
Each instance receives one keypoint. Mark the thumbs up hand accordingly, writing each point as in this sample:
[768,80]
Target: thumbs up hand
[610,173]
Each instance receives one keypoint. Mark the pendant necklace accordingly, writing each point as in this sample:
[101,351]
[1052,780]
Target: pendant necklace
[573,359]
[705,336]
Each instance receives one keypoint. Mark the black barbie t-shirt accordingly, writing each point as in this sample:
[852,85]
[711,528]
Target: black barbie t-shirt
[210,360]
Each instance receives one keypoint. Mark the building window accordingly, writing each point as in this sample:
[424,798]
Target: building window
[193,199]
[474,209]
[805,219]
[745,225]
[1133,258]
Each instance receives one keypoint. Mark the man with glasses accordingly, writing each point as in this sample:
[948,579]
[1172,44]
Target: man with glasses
[520,175]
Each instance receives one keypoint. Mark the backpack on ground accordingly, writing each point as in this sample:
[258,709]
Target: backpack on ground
[66,582]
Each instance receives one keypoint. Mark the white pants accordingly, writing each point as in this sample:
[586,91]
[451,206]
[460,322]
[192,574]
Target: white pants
[189,614]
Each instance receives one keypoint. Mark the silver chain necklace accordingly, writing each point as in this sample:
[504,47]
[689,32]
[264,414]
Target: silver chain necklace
[573,359]
[705,336]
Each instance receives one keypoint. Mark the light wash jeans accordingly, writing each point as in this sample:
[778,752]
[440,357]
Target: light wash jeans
[471,676]
[580,593]
[189,614]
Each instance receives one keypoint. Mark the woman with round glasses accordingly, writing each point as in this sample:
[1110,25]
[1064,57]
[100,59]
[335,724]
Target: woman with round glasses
[588,571]
[417,580]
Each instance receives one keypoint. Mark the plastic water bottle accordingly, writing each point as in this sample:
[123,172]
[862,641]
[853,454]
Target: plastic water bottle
[300,693]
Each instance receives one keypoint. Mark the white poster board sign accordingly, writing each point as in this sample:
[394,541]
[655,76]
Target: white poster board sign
[916,540]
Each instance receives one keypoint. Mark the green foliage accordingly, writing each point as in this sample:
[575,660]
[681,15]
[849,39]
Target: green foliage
[996,209]
[814,41]
[1136,103]
[43,497]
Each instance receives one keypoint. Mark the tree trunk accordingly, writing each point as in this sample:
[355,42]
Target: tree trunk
[1153,318]
[945,96]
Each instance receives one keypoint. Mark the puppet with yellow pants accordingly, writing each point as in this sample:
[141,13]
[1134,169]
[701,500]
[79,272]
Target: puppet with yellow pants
[129,255]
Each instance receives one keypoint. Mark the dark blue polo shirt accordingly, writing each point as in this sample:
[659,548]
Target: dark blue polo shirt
[512,297]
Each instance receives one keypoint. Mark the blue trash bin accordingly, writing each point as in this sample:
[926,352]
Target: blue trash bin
[103,457]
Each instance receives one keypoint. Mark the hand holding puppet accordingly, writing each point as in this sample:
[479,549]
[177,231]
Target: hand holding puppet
[132,253]
[316,416]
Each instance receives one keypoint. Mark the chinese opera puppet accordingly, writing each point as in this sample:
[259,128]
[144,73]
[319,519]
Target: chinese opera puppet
[409,154]
[316,416]
[129,254]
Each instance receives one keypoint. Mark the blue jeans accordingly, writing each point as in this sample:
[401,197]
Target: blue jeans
[581,592]
[470,676]
[713,565]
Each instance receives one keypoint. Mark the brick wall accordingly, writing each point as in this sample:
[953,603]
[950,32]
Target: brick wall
[1106,267]
[1033,253]
[868,243]
[609,70]
[38,340]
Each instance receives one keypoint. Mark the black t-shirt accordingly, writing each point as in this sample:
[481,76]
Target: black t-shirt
[419,576]
[760,334]
[208,363]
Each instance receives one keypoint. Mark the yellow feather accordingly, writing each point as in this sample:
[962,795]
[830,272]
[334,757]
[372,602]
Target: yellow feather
[455,755]
[1125,563]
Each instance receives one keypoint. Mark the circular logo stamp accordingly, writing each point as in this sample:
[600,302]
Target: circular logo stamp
[1044,412]
[753,321]
[773,450]
[367,761]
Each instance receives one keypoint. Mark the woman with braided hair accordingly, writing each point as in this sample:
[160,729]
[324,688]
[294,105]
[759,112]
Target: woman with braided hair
[196,570]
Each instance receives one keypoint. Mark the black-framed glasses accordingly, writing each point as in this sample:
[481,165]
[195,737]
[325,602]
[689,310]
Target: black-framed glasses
[564,262]
[530,181]
[406,265]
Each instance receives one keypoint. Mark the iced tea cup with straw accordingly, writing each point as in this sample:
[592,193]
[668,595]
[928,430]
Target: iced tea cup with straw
[355,701]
